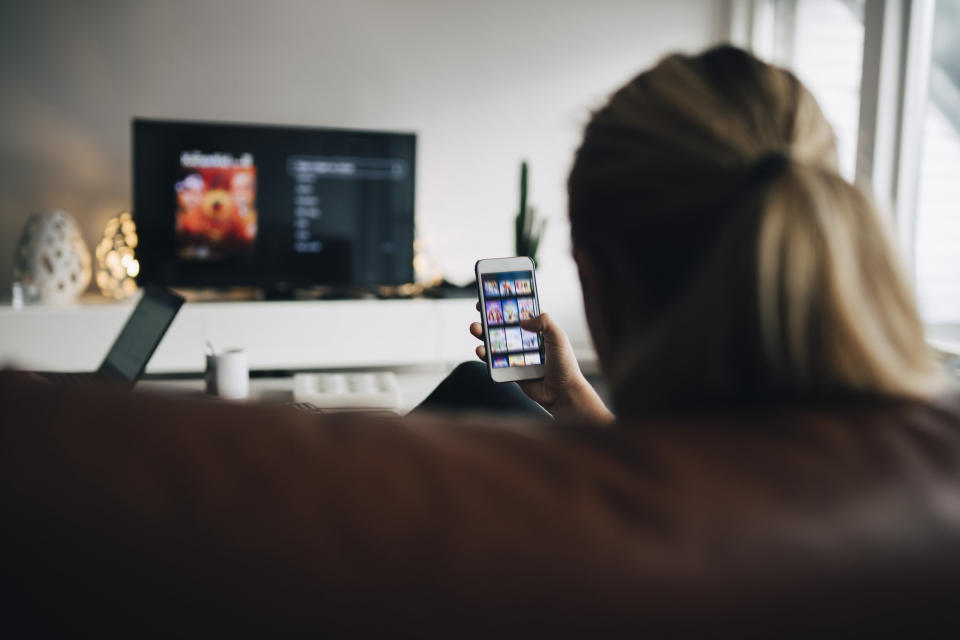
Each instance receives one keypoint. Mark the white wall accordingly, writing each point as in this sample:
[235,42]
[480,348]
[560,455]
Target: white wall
[484,84]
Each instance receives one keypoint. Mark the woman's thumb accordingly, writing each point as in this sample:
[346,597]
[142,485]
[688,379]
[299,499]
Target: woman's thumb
[539,323]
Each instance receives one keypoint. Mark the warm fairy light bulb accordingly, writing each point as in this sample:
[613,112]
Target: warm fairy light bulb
[117,265]
[426,271]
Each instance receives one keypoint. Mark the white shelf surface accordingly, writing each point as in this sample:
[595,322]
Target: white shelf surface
[284,335]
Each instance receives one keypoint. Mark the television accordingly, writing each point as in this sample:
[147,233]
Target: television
[277,207]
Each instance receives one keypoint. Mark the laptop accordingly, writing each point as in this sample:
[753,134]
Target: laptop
[131,351]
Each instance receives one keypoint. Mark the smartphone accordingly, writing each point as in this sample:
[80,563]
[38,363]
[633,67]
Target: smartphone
[508,294]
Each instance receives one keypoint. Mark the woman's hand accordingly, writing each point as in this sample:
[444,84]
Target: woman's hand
[563,391]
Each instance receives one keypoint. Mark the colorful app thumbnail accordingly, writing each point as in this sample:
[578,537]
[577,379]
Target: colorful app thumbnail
[499,362]
[516,360]
[523,287]
[530,339]
[494,312]
[531,357]
[507,288]
[510,312]
[491,288]
[498,341]
[216,210]
[526,308]
[514,339]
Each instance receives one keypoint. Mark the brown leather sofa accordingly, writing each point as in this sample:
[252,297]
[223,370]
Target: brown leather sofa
[146,515]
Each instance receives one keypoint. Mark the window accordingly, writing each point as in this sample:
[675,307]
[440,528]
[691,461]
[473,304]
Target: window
[937,217]
[822,42]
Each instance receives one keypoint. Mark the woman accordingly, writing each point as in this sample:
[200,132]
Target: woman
[723,259]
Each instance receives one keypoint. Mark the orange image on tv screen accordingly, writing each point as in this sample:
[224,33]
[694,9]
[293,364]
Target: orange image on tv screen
[216,215]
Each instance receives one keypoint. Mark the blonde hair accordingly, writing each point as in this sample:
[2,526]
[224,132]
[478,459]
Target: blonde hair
[739,265]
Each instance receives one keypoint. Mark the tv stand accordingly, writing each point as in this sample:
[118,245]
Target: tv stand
[277,334]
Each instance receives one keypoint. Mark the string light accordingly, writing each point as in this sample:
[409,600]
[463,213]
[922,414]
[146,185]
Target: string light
[117,265]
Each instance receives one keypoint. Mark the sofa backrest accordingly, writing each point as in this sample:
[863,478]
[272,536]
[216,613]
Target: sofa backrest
[159,515]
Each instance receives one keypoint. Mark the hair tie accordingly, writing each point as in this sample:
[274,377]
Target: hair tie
[769,166]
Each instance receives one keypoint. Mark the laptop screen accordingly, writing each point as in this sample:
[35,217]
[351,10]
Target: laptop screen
[139,338]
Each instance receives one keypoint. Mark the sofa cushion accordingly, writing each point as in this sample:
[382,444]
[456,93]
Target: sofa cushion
[152,514]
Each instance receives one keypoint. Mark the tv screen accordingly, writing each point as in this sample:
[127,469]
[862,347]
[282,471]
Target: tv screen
[221,205]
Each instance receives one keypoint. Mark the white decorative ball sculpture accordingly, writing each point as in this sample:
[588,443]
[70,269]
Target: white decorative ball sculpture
[117,265]
[51,261]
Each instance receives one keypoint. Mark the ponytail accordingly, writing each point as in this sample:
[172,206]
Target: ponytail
[835,312]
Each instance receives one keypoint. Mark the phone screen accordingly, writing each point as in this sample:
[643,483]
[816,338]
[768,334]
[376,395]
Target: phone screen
[509,297]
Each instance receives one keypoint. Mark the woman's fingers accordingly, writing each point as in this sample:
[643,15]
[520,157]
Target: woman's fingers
[476,330]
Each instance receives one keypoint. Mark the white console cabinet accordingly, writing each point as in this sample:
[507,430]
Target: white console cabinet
[325,334]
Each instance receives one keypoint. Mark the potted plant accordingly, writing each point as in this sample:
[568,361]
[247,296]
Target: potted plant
[527,226]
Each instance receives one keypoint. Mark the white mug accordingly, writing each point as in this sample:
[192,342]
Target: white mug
[228,374]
